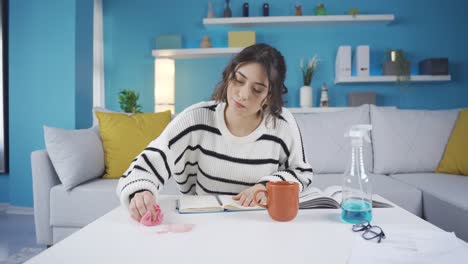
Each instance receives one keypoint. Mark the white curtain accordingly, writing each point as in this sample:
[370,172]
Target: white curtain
[98,58]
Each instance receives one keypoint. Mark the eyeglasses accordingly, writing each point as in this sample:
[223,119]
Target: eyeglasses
[370,231]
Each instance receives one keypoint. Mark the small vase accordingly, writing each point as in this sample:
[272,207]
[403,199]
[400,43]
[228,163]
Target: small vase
[227,10]
[266,9]
[205,42]
[306,96]
[245,9]
[210,10]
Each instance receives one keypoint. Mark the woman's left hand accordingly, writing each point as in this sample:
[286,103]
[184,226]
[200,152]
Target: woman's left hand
[246,198]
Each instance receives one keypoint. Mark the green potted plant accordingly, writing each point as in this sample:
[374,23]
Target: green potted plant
[128,101]
[396,64]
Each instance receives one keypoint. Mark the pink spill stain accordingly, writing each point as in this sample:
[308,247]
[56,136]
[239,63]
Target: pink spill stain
[148,220]
[175,228]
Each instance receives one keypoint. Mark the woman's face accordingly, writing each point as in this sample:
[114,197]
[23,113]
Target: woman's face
[247,90]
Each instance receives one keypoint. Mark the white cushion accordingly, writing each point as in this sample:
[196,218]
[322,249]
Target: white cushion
[406,141]
[327,150]
[77,155]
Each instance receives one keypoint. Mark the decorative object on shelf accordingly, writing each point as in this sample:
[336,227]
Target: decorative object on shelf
[266,9]
[227,10]
[306,91]
[324,96]
[397,64]
[306,96]
[245,9]
[205,42]
[362,60]
[434,66]
[210,10]
[128,101]
[320,10]
[169,42]
[240,39]
[353,11]
[343,62]
[360,98]
[298,8]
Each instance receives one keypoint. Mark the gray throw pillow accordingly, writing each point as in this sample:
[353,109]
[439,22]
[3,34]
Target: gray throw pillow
[408,141]
[77,155]
[326,148]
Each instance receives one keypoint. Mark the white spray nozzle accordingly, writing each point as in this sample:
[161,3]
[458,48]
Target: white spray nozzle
[359,132]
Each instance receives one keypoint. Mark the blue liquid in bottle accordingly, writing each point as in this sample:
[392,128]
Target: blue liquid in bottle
[355,211]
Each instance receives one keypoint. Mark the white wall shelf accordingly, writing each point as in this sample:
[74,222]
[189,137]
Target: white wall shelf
[298,20]
[195,53]
[381,79]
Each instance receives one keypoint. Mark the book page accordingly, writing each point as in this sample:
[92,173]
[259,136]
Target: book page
[233,205]
[379,203]
[310,194]
[313,197]
[335,192]
[199,203]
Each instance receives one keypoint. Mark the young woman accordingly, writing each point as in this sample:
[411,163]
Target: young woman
[232,145]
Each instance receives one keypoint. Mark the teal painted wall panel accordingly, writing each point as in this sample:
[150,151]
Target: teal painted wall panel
[42,82]
[84,64]
[423,28]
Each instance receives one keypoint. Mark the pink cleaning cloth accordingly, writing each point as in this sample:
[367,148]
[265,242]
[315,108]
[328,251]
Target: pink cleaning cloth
[148,220]
[176,228]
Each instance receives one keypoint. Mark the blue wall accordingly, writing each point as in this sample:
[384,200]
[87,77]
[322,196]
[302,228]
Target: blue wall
[84,63]
[423,28]
[44,76]
[50,63]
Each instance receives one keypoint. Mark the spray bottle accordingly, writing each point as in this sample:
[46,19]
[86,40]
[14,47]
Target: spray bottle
[356,203]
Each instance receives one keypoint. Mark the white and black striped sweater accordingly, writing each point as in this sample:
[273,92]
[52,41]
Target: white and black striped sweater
[198,150]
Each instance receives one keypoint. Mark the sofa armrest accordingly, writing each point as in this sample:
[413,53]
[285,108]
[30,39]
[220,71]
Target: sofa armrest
[44,178]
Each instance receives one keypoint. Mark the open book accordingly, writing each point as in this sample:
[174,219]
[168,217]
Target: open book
[210,203]
[309,199]
[331,197]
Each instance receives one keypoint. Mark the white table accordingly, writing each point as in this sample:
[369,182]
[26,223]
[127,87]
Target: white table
[314,236]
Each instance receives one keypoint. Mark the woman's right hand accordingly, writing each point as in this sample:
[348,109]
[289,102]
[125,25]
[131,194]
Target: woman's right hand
[141,203]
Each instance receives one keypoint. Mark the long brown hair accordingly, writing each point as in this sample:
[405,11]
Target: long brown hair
[273,62]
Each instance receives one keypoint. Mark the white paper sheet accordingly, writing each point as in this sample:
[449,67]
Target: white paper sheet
[410,247]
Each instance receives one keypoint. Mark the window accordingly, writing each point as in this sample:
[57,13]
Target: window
[4,86]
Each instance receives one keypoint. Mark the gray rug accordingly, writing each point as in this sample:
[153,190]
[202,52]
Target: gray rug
[23,255]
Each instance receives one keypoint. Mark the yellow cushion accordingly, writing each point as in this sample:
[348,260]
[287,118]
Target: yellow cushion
[455,159]
[125,136]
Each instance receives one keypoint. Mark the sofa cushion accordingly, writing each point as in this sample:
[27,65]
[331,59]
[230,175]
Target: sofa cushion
[402,194]
[409,140]
[125,136]
[77,155]
[445,199]
[455,159]
[447,187]
[327,150]
[84,204]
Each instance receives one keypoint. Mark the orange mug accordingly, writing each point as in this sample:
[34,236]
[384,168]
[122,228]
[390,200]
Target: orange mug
[282,200]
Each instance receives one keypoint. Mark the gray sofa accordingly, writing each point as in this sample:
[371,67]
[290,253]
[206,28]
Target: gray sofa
[406,147]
